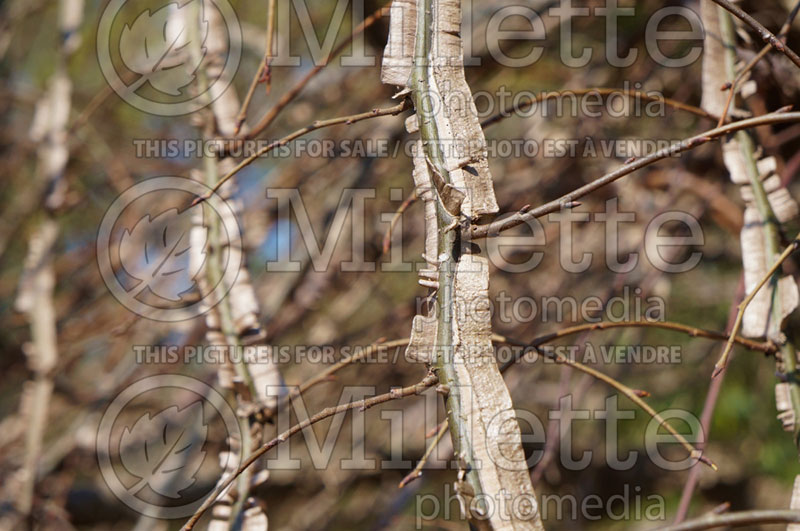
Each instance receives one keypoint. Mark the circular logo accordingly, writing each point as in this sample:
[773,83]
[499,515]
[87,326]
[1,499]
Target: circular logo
[151,57]
[152,249]
[150,456]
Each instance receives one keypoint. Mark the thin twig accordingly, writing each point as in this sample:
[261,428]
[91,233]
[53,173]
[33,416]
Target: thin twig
[734,85]
[633,394]
[723,360]
[692,331]
[287,98]
[417,472]
[706,417]
[766,35]
[568,200]
[263,71]
[602,91]
[327,373]
[387,237]
[741,518]
[362,405]
[319,124]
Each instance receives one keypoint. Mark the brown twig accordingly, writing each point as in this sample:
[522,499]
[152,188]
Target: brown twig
[734,85]
[319,124]
[602,91]
[706,417]
[766,35]
[263,72]
[362,405]
[633,394]
[287,98]
[723,360]
[417,472]
[692,331]
[387,237]
[327,373]
[567,200]
[741,518]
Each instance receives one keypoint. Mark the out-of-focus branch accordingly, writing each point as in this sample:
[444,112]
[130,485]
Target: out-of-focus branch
[234,321]
[706,417]
[35,296]
[318,124]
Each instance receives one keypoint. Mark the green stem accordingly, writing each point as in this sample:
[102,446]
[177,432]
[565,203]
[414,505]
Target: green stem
[214,276]
[424,93]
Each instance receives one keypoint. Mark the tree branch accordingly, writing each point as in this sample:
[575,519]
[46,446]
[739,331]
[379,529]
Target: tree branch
[567,200]
[362,405]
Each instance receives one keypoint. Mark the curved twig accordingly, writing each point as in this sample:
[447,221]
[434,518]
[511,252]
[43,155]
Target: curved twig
[362,405]
[723,360]
[692,331]
[634,395]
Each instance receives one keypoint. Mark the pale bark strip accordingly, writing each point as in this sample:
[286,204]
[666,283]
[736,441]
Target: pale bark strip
[768,205]
[35,299]
[35,295]
[460,132]
[425,191]
[794,503]
[398,56]
[235,321]
[462,142]
[487,409]
[452,177]
[738,153]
